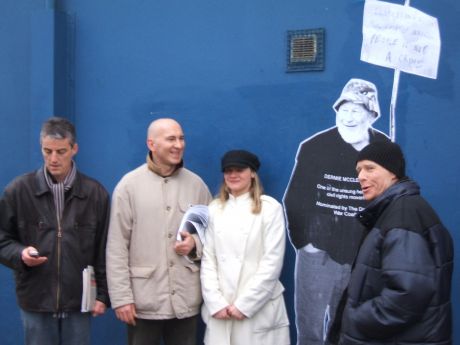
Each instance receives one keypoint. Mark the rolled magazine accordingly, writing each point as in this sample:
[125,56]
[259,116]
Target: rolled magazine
[89,290]
[194,221]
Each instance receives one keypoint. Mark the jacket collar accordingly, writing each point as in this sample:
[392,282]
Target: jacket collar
[42,186]
[157,170]
[368,217]
[240,198]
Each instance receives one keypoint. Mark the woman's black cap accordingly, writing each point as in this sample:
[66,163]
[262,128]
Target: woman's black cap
[241,159]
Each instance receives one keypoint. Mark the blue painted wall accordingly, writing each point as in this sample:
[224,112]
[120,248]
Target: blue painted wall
[219,68]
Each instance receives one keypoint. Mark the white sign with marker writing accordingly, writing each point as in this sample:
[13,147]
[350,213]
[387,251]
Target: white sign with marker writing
[400,37]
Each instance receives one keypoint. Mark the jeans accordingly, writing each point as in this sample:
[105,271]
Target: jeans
[172,331]
[319,283]
[51,329]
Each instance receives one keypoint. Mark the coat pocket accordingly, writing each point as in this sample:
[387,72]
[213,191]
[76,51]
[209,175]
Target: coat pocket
[192,267]
[85,232]
[145,290]
[141,272]
[272,315]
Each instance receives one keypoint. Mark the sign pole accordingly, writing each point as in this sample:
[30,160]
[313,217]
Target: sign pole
[394,97]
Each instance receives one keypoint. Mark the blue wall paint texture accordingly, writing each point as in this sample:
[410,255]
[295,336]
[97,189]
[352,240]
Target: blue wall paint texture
[220,69]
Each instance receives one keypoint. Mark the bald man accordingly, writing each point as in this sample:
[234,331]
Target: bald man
[154,289]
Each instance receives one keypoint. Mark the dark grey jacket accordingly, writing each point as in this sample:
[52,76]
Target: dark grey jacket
[399,291]
[28,218]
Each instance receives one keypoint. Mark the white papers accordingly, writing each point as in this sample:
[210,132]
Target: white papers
[89,290]
[195,220]
[400,37]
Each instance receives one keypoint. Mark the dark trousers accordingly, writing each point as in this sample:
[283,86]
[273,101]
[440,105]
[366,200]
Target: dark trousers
[171,331]
[319,283]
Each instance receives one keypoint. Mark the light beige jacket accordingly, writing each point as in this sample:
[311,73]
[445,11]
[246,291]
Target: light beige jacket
[142,267]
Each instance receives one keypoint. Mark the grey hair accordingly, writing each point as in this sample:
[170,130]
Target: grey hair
[58,128]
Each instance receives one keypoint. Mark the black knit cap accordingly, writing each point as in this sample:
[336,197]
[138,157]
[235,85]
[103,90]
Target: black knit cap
[387,154]
[241,159]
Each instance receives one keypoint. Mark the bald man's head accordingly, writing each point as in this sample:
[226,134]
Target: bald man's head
[165,140]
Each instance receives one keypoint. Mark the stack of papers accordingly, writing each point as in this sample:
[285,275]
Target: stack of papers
[89,290]
[194,221]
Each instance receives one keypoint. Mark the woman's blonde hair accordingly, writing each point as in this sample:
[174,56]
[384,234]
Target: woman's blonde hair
[255,191]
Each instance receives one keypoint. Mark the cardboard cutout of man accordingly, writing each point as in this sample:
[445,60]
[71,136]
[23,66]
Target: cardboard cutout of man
[321,201]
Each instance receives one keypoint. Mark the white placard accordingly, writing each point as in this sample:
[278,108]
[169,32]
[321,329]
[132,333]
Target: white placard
[400,37]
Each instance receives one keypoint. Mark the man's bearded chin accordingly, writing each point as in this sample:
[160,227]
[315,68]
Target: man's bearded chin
[353,135]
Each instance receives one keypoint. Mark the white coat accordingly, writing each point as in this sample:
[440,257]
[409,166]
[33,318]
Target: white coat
[242,261]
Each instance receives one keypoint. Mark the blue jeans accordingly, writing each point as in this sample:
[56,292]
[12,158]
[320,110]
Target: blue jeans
[49,329]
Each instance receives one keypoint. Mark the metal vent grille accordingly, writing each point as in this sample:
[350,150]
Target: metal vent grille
[305,50]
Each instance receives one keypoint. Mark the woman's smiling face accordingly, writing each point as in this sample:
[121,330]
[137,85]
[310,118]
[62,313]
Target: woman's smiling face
[238,180]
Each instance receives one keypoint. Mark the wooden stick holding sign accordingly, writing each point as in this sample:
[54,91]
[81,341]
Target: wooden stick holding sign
[403,38]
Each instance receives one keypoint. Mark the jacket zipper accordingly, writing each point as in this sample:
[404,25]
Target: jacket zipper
[58,290]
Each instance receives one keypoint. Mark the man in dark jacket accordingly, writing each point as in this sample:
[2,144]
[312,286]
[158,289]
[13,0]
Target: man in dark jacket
[399,291]
[53,224]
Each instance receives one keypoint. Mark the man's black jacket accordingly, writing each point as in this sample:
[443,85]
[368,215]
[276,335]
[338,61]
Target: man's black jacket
[399,291]
[28,218]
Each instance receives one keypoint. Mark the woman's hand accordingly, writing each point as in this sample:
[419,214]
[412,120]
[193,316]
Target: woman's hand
[222,314]
[235,313]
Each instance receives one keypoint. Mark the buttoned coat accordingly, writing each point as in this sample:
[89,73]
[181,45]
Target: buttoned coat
[242,261]
[142,266]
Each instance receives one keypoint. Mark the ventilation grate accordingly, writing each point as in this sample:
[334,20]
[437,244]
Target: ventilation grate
[305,50]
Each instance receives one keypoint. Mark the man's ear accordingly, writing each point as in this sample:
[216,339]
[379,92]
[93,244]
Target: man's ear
[150,144]
[75,149]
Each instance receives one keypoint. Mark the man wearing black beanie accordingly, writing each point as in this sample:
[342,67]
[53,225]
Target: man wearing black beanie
[399,291]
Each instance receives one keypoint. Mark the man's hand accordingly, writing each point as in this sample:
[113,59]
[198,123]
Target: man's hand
[32,261]
[127,314]
[185,246]
[235,313]
[99,308]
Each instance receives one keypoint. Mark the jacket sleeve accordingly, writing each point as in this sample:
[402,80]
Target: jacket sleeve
[117,254]
[408,275]
[294,197]
[212,295]
[265,284]
[10,246]
[101,241]
[204,199]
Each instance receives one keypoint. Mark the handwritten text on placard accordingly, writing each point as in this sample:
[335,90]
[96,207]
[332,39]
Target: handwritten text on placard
[400,37]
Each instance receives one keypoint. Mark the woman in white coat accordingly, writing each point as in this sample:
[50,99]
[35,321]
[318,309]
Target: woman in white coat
[242,260]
